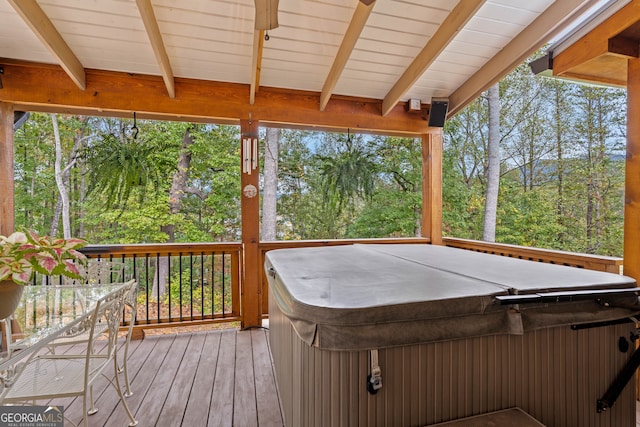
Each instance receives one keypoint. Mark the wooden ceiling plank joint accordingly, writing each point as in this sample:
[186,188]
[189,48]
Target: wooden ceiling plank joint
[43,28]
[358,21]
[450,27]
[155,38]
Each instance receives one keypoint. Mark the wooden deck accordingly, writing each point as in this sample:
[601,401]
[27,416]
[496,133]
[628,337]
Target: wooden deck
[215,378]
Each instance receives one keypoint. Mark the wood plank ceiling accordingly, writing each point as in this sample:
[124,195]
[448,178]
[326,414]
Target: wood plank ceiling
[384,50]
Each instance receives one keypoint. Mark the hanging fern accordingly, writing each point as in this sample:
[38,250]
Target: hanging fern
[120,165]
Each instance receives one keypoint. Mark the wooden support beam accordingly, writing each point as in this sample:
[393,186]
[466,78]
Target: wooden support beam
[432,186]
[256,64]
[155,38]
[623,46]
[596,42]
[549,24]
[39,87]
[631,252]
[250,206]
[42,27]
[7,216]
[358,21]
[453,23]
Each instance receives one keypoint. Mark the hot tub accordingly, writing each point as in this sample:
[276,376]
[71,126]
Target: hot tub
[412,335]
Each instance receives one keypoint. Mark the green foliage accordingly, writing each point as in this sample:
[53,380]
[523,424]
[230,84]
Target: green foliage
[118,164]
[562,179]
[347,173]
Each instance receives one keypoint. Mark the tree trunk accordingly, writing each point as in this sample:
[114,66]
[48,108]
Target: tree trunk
[59,177]
[270,189]
[62,177]
[493,167]
[178,189]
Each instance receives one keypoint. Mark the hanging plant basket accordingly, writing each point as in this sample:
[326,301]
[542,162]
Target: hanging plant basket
[10,294]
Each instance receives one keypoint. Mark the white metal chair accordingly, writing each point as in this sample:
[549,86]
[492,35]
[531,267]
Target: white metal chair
[97,272]
[131,302]
[50,376]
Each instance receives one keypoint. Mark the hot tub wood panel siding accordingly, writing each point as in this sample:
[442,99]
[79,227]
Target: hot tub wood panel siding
[554,374]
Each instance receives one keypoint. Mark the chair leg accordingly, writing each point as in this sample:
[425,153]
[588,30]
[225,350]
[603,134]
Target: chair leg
[124,403]
[127,384]
[85,422]
[93,408]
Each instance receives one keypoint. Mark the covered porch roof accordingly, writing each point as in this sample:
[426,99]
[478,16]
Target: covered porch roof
[327,65]
[331,64]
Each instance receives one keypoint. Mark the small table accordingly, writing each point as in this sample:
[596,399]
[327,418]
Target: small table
[46,313]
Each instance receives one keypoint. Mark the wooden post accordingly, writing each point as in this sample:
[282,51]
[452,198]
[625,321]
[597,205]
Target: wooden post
[250,204]
[432,186]
[631,254]
[7,219]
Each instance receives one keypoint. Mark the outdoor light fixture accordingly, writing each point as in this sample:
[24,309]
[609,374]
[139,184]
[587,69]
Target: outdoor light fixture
[414,105]
[543,65]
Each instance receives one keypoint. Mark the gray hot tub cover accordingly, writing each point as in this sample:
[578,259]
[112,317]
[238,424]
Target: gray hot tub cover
[372,296]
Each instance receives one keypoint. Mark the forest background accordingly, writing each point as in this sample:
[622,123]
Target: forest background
[560,156]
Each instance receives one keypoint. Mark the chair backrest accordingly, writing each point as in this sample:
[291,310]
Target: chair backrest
[108,311]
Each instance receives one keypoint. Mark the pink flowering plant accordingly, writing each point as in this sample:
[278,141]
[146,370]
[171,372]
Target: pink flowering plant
[22,254]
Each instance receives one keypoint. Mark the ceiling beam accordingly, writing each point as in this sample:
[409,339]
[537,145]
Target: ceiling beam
[153,32]
[449,28]
[546,26]
[358,21]
[42,87]
[597,41]
[256,64]
[41,25]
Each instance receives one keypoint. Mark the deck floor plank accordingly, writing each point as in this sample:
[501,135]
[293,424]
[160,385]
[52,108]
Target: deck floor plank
[218,378]
[142,368]
[173,410]
[161,384]
[244,408]
[199,402]
[267,402]
[222,400]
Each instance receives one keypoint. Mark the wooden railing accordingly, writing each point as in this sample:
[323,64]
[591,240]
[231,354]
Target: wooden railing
[590,262]
[180,284]
[201,283]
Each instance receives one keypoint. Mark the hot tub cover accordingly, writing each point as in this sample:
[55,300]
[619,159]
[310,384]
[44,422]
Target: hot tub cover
[373,296]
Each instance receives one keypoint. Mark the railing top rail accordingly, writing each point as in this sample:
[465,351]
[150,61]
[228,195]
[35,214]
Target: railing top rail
[159,248]
[529,251]
[336,242]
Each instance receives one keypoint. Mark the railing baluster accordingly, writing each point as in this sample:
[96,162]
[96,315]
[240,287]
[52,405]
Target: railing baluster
[224,311]
[202,310]
[191,285]
[213,284]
